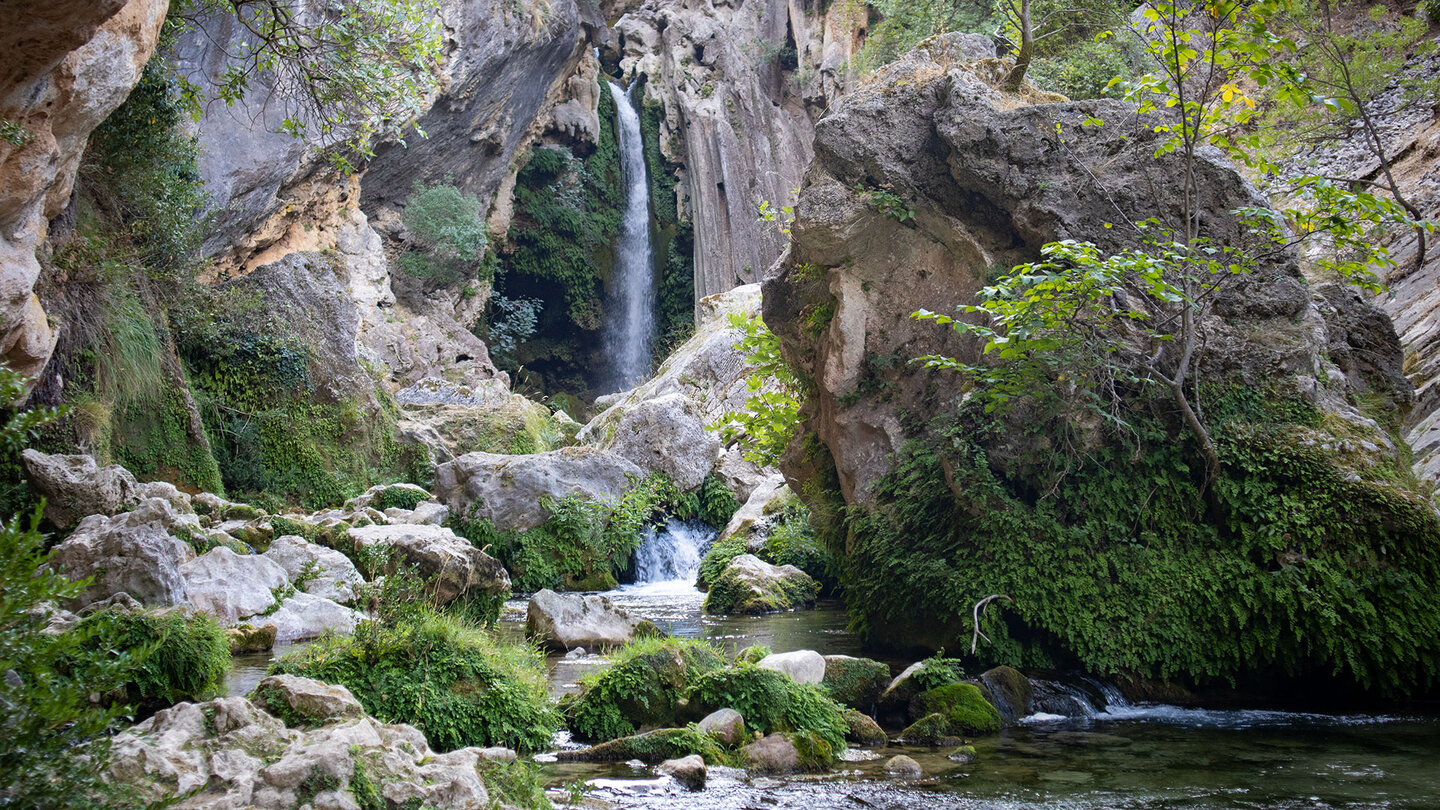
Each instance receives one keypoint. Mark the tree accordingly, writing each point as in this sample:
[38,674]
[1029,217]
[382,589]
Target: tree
[1202,55]
[771,415]
[344,73]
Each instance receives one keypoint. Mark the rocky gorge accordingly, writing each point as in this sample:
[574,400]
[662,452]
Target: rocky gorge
[988,419]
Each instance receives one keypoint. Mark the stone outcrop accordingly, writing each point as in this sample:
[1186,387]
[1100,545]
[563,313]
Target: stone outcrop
[453,566]
[567,621]
[303,616]
[230,753]
[933,131]
[509,491]
[231,586]
[664,435]
[444,420]
[306,701]
[740,86]
[135,553]
[68,65]
[75,487]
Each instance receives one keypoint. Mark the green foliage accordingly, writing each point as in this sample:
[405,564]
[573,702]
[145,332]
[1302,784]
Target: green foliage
[18,429]
[583,545]
[1307,570]
[771,701]
[180,656]
[712,503]
[399,498]
[886,202]
[344,79]
[641,688]
[53,733]
[771,414]
[13,133]
[445,227]
[938,671]
[855,682]
[458,684]
[1084,69]
[519,784]
[719,555]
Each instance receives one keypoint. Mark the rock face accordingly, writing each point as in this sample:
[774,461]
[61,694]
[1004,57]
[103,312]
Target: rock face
[229,753]
[749,585]
[741,107]
[567,621]
[69,65]
[75,486]
[934,132]
[508,490]
[230,586]
[458,568]
[803,666]
[448,420]
[664,435]
[134,553]
[328,574]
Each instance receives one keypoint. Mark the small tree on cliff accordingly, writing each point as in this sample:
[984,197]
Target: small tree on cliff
[1076,322]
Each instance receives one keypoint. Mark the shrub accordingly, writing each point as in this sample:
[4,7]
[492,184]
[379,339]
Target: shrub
[445,225]
[640,689]
[719,555]
[179,655]
[855,682]
[458,684]
[399,498]
[771,701]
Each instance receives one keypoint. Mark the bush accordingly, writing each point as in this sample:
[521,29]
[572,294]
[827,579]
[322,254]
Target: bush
[179,655]
[445,225]
[771,701]
[640,689]
[458,684]
[855,682]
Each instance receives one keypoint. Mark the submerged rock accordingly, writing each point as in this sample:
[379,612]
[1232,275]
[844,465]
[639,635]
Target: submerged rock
[567,621]
[749,585]
[229,753]
[1009,691]
[75,486]
[688,771]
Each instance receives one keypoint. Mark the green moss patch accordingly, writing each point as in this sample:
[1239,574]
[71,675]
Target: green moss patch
[771,701]
[962,706]
[855,682]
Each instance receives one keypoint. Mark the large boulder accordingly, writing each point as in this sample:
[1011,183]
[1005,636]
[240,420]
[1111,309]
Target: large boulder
[315,569]
[232,586]
[725,725]
[453,566]
[135,552]
[803,666]
[75,487]
[303,616]
[509,491]
[306,702]
[230,753]
[567,621]
[749,585]
[664,435]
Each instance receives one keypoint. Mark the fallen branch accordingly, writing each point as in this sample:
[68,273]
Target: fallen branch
[979,606]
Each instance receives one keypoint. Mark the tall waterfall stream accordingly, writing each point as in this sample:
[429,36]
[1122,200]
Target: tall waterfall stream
[631,329]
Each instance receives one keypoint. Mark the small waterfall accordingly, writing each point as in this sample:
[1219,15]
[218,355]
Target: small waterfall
[631,329]
[671,553]
[1076,696]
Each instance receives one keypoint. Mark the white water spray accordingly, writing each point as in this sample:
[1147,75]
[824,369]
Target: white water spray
[671,553]
[631,330]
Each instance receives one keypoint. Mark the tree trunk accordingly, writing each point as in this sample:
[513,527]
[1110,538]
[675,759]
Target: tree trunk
[1016,76]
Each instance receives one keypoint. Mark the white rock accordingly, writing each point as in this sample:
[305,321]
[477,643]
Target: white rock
[133,552]
[509,491]
[304,616]
[336,580]
[568,621]
[803,666]
[75,486]
[456,566]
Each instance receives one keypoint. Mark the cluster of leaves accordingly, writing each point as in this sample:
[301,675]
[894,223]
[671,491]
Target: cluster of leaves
[178,656]
[445,229]
[789,540]
[771,701]
[457,683]
[346,75]
[771,415]
[642,687]
[886,202]
[712,503]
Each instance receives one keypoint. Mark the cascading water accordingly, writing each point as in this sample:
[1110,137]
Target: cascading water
[631,329]
[671,553]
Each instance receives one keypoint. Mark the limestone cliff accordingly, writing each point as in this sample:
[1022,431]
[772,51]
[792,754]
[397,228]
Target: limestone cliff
[67,66]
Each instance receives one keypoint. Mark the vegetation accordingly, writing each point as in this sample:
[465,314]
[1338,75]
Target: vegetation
[771,415]
[447,233]
[732,593]
[788,540]
[771,701]
[458,684]
[855,682]
[641,688]
[178,656]
[962,707]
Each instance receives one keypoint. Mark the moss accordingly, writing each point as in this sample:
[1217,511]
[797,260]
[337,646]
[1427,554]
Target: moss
[816,752]
[642,688]
[932,729]
[964,709]
[317,781]
[657,746]
[175,656]
[730,594]
[855,682]
[399,498]
[1008,690]
[459,685]
[719,555]
[862,730]
[771,701]
[367,791]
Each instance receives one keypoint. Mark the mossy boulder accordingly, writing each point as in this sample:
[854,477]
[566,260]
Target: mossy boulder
[650,747]
[860,729]
[1009,691]
[305,702]
[249,638]
[646,686]
[932,729]
[855,682]
[749,585]
[797,752]
[771,701]
[961,708]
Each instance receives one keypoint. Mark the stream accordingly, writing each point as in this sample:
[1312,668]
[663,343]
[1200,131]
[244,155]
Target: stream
[1101,752]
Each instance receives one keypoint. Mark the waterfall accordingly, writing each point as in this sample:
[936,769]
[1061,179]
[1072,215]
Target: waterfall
[631,324]
[671,553]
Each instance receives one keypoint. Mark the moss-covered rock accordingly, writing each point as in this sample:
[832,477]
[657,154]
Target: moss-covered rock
[961,706]
[644,687]
[305,702]
[1009,691]
[789,753]
[855,682]
[749,585]
[860,729]
[651,747]
[932,729]
[249,638]
[771,701]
